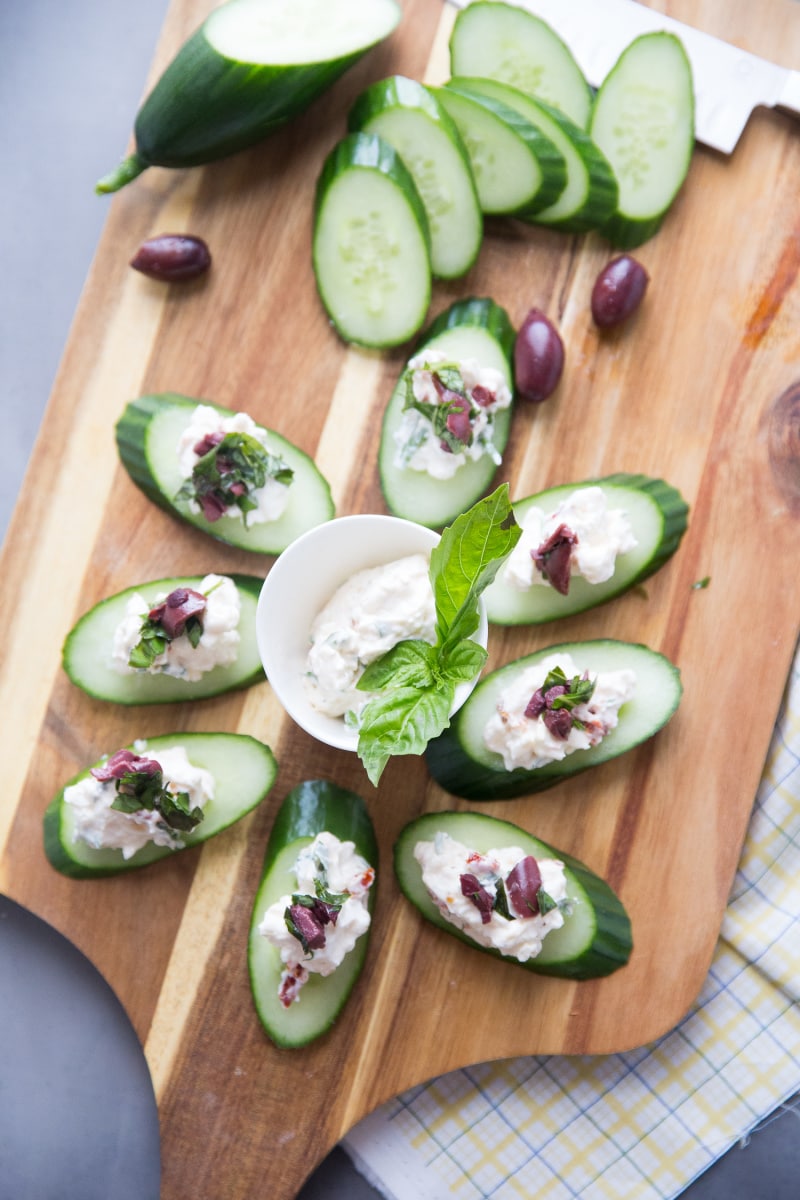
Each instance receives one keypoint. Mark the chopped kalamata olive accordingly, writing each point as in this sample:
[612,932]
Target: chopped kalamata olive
[482,396]
[208,443]
[554,558]
[536,705]
[558,722]
[522,887]
[458,422]
[474,890]
[172,257]
[538,357]
[180,606]
[618,291]
[125,762]
[306,927]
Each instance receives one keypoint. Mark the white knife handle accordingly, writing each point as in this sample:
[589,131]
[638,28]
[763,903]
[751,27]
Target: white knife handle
[789,96]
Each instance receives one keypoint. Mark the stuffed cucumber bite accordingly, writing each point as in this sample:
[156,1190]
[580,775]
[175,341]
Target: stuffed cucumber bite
[220,471]
[168,640]
[311,917]
[448,420]
[154,798]
[491,884]
[584,543]
[553,714]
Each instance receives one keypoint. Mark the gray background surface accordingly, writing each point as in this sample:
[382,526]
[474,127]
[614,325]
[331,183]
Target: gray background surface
[71,80]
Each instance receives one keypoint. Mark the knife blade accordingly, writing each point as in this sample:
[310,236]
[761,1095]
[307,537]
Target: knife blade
[729,83]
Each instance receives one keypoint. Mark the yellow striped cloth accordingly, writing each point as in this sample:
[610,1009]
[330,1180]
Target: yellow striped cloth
[644,1123]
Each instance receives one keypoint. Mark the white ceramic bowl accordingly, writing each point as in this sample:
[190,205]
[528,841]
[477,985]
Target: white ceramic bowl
[300,583]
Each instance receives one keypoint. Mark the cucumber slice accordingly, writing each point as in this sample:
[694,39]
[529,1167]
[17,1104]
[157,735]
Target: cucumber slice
[595,938]
[147,436]
[515,167]
[643,121]
[371,245]
[657,513]
[312,807]
[462,764]
[250,67]
[503,42]
[590,195]
[407,116]
[472,328]
[86,655]
[244,771]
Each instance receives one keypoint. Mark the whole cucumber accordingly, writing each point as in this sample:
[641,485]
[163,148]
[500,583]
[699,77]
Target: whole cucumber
[249,68]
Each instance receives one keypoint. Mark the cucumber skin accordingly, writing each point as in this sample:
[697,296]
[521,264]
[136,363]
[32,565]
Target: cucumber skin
[312,807]
[456,771]
[479,311]
[251,584]
[58,855]
[399,92]
[369,152]
[131,437]
[601,200]
[205,106]
[612,943]
[674,510]
[472,312]
[551,163]
[626,232]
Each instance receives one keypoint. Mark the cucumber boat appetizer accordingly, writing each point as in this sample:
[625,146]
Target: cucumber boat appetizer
[249,68]
[506,43]
[174,639]
[584,543]
[552,714]
[153,799]
[516,168]
[590,193]
[643,121]
[433,467]
[498,888]
[371,243]
[310,926]
[408,116]
[221,472]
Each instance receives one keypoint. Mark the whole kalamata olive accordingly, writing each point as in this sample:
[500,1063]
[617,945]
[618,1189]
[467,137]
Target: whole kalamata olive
[538,357]
[618,291]
[172,257]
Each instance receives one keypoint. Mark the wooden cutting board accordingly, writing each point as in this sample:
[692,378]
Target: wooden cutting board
[702,388]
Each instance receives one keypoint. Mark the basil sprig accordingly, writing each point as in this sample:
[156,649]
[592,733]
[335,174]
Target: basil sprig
[419,680]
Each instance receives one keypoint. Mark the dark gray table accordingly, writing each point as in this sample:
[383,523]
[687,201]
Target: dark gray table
[71,80]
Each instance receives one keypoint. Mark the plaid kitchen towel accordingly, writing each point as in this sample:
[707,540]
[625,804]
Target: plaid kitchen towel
[647,1122]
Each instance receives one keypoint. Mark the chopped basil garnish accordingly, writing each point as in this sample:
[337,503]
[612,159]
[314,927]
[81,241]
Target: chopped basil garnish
[138,790]
[227,475]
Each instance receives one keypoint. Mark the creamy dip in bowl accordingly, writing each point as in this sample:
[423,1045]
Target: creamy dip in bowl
[302,582]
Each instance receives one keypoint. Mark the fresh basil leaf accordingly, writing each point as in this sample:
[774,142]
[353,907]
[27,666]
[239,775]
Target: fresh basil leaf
[462,661]
[402,722]
[409,663]
[546,902]
[466,561]
[501,901]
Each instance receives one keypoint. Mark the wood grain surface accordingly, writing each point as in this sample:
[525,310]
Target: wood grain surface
[700,388]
